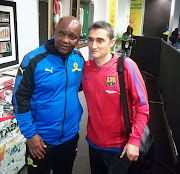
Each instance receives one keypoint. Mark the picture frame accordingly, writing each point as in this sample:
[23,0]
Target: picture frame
[8,34]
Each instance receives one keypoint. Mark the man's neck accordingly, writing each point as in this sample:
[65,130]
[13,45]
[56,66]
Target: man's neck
[104,60]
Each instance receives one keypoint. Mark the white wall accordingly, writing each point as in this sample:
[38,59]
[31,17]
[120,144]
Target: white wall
[85,52]
[101,10]
[142,17]
[122,17]
[27,26]
[66,7]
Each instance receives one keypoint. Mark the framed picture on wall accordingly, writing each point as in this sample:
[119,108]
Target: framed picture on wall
[8,34]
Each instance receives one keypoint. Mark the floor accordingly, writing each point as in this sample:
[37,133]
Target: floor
[164,153]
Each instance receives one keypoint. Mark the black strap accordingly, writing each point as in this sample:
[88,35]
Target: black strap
[123,96]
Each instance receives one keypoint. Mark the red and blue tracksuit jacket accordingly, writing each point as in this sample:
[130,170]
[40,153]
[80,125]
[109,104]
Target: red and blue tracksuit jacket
[106,122]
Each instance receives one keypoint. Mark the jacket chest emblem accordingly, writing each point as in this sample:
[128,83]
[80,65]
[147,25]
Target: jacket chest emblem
[76,67]
[50,70]
[111,81]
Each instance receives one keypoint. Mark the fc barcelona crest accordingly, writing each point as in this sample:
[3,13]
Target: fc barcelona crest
[111,81]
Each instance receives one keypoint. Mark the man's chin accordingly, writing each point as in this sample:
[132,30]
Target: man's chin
[64,52]
[95,56]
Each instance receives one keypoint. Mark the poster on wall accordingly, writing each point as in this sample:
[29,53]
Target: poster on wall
[136,16]
[8,34]
[112,12]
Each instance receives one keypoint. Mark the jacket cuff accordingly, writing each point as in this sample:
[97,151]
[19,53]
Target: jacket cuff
[26,126]
[134,140]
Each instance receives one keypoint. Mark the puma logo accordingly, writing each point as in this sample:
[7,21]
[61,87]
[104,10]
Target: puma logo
[22,70]
[50,70]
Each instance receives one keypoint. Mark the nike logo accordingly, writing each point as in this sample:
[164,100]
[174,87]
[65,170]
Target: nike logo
[22,70]
[50,70]
[87,78]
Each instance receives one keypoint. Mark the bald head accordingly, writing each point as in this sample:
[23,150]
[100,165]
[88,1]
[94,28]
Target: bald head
[71,22]
[67,34]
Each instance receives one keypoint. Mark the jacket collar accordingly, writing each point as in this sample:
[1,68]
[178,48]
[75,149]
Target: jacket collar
[109,63]
[52,50]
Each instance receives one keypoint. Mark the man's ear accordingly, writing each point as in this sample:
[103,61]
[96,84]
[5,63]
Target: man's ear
[81,35]
[79,38]
[112,42]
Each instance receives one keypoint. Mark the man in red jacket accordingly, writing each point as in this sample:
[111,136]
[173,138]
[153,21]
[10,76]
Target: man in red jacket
[106,133]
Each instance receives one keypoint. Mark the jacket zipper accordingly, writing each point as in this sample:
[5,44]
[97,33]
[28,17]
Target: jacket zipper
[65,105]
[99,101]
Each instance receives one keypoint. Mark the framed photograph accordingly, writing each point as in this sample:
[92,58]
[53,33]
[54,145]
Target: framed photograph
[8,34]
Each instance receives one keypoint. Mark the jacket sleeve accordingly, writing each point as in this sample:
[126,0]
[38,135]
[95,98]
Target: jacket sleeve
[22,93]
[137,92]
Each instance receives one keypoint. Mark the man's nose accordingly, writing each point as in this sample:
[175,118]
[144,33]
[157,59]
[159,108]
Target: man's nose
[65,38]
[94,45]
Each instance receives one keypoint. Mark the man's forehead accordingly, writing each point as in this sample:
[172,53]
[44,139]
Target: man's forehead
[72,27]
[99,33]
[71,23]
[74,24]
[98,37]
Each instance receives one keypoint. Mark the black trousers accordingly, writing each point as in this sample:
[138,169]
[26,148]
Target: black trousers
[100,162]
[144,164]
[58,158]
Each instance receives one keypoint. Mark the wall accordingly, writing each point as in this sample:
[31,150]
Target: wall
[156,17]
[175,15]
[27,26]
[146,54]
[122,17]
[169,85]
[101,10]
[142,19]
[66,7]
[85,53]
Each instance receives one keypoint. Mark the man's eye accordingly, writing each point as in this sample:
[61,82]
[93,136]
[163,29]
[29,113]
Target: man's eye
[90,39]
[72,37]
[100,40]
[61,33]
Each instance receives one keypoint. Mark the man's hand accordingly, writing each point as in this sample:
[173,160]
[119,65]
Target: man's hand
[132,152]
[36,146]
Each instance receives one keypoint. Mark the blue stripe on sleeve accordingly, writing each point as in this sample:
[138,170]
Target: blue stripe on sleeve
[136,82]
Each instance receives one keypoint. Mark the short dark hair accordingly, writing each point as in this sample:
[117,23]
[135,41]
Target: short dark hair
[129,28]
[103,25]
